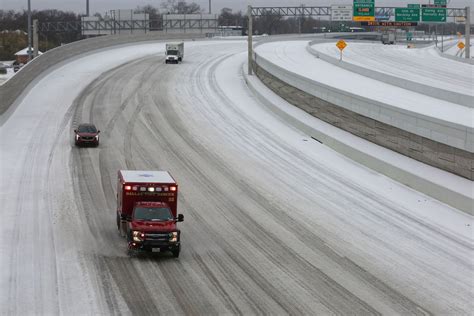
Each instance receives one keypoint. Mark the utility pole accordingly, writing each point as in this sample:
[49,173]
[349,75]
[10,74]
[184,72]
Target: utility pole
[209,6]
[87,7]
[250,50]
[30,53]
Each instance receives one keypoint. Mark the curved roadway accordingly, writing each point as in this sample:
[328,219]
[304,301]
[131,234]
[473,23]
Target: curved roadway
[275,223]
[422,65]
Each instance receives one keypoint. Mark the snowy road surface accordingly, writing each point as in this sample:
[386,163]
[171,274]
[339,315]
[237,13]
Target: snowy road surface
[421,65]
[275,223]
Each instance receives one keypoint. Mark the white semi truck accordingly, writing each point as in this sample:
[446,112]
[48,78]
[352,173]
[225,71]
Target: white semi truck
[174,53]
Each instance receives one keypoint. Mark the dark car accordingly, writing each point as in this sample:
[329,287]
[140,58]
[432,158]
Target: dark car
[86,134]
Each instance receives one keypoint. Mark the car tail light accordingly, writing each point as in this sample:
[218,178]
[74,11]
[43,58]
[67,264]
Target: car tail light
[128,188]
[150,189]
[173,189]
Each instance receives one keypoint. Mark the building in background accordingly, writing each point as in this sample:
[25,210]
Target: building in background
[21,57]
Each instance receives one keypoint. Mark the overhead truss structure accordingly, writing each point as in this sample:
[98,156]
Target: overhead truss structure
[291,11]
[45,27]
[190,24]
[326,11]
[103,25]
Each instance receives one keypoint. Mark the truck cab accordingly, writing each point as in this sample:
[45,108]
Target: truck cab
[153,228]
[174,53]
[147,211]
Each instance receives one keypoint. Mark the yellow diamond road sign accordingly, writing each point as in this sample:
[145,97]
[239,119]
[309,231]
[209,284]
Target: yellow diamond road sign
[341,45]
[461,45]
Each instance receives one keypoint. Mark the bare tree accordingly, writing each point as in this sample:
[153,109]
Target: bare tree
[181,7]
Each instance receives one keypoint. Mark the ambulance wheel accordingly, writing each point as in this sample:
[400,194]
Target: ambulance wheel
[175,252]
[118,222]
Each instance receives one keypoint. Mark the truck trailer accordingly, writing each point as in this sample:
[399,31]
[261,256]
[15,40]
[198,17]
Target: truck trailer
[147,211]
[389,38]
[174,53]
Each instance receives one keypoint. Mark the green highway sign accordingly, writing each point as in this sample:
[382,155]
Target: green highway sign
[433,14]
[440,2]
[413,6]
[364,10]
[407,15]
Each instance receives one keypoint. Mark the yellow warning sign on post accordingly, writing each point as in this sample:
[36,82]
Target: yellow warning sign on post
[341,44]
[461,45]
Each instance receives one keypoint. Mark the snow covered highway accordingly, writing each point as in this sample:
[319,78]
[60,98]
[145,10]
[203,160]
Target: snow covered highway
[276,223]
[417,65]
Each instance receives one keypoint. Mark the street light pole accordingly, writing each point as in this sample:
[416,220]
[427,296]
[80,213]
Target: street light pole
[249,39]
[467,50]
[209,6]
[30,53]
[87,7]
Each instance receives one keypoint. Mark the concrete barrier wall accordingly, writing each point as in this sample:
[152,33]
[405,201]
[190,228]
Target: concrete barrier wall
[13,89]
[371,120]
[441,131]
[441,94]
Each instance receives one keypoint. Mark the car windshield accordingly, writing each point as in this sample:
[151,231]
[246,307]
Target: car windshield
[87,129]
[152,214]
[172,52]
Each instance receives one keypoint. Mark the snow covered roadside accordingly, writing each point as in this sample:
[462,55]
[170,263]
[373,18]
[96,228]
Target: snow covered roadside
[383,160]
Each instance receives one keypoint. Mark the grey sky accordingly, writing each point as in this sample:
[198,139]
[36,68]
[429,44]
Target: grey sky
[106,5]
